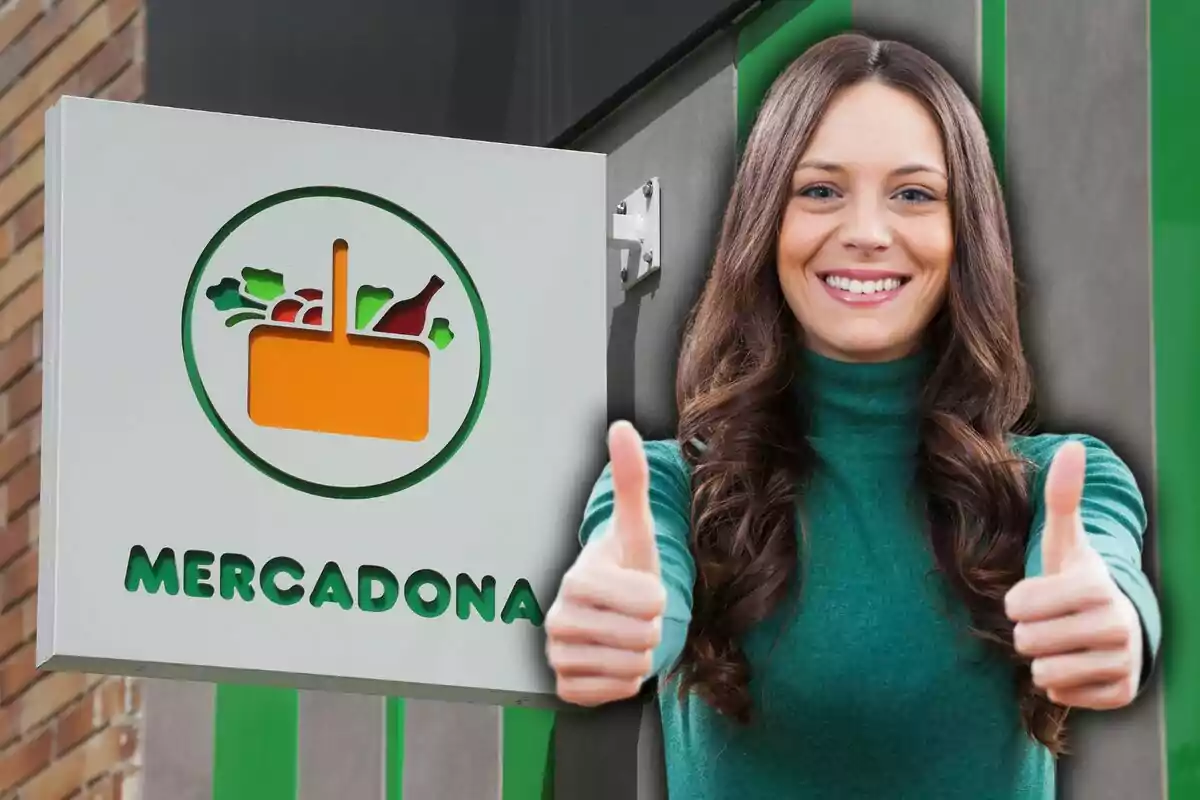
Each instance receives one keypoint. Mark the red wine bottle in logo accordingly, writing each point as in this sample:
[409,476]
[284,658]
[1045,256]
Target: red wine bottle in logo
[407,317]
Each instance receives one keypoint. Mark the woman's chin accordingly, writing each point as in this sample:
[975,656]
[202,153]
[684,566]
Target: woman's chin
[871,344]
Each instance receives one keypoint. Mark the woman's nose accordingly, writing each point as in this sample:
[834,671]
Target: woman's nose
[865,227]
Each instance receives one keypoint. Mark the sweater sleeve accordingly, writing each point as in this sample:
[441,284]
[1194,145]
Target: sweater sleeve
[670,501]
[1114,518]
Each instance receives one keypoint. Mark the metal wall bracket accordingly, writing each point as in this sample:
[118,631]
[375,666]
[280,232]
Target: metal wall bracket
[637,232]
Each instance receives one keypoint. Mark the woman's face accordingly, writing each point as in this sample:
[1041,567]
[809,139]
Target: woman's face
[866,241]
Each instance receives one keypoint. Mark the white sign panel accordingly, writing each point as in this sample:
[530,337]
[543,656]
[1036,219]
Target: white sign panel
[318,400]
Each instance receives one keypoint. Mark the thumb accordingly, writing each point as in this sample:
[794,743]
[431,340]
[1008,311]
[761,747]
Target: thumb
[1063,538]
[633,524]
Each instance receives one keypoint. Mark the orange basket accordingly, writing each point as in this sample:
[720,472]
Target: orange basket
[334,382]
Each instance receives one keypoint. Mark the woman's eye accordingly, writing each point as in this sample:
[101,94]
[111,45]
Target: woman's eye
[914,196]
[818,192]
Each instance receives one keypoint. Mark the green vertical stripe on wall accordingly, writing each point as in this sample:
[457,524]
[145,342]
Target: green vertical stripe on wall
[994,77]
[394,747]
[254,754]
[1175,231]
[528,761]
[774,37]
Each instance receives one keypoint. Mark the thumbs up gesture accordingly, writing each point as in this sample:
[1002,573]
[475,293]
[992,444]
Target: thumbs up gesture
[1082,632]
[607,619]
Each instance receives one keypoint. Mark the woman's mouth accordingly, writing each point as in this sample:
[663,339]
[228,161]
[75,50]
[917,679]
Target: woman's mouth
[863,288]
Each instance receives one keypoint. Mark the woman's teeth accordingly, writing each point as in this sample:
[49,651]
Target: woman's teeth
[862,287]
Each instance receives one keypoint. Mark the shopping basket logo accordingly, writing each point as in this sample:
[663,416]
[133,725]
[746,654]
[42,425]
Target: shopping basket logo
[359,385]
[336,342]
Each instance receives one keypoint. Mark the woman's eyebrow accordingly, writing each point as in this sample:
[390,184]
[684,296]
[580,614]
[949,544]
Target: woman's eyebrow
[909,169]
[832,166]
[826,166]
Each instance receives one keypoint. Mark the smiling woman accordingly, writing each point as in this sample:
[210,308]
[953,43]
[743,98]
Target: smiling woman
[852,571]
[866,241]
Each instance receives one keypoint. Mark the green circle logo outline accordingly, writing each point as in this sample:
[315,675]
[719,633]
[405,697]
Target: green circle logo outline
[443,456]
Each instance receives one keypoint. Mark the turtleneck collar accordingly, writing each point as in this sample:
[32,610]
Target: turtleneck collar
[867,406]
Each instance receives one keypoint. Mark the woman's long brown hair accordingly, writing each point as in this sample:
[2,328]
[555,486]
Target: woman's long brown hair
[737,362]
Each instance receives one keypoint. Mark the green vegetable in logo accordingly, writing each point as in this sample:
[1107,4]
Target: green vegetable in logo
[227,296]
[367,304]
[440,333]
[263,283]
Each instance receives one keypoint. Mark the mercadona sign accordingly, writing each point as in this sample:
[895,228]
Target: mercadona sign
[317,400]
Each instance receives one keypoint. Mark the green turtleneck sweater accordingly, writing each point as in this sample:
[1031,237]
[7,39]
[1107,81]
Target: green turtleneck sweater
[872,690]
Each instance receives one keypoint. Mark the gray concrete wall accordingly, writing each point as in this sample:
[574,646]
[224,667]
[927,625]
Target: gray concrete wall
[1079,183]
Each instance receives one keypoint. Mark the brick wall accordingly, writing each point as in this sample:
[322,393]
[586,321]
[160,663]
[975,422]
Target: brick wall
[61,734]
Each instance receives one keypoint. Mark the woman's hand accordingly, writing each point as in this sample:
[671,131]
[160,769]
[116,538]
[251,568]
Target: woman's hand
[607,619]
[1082,632]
